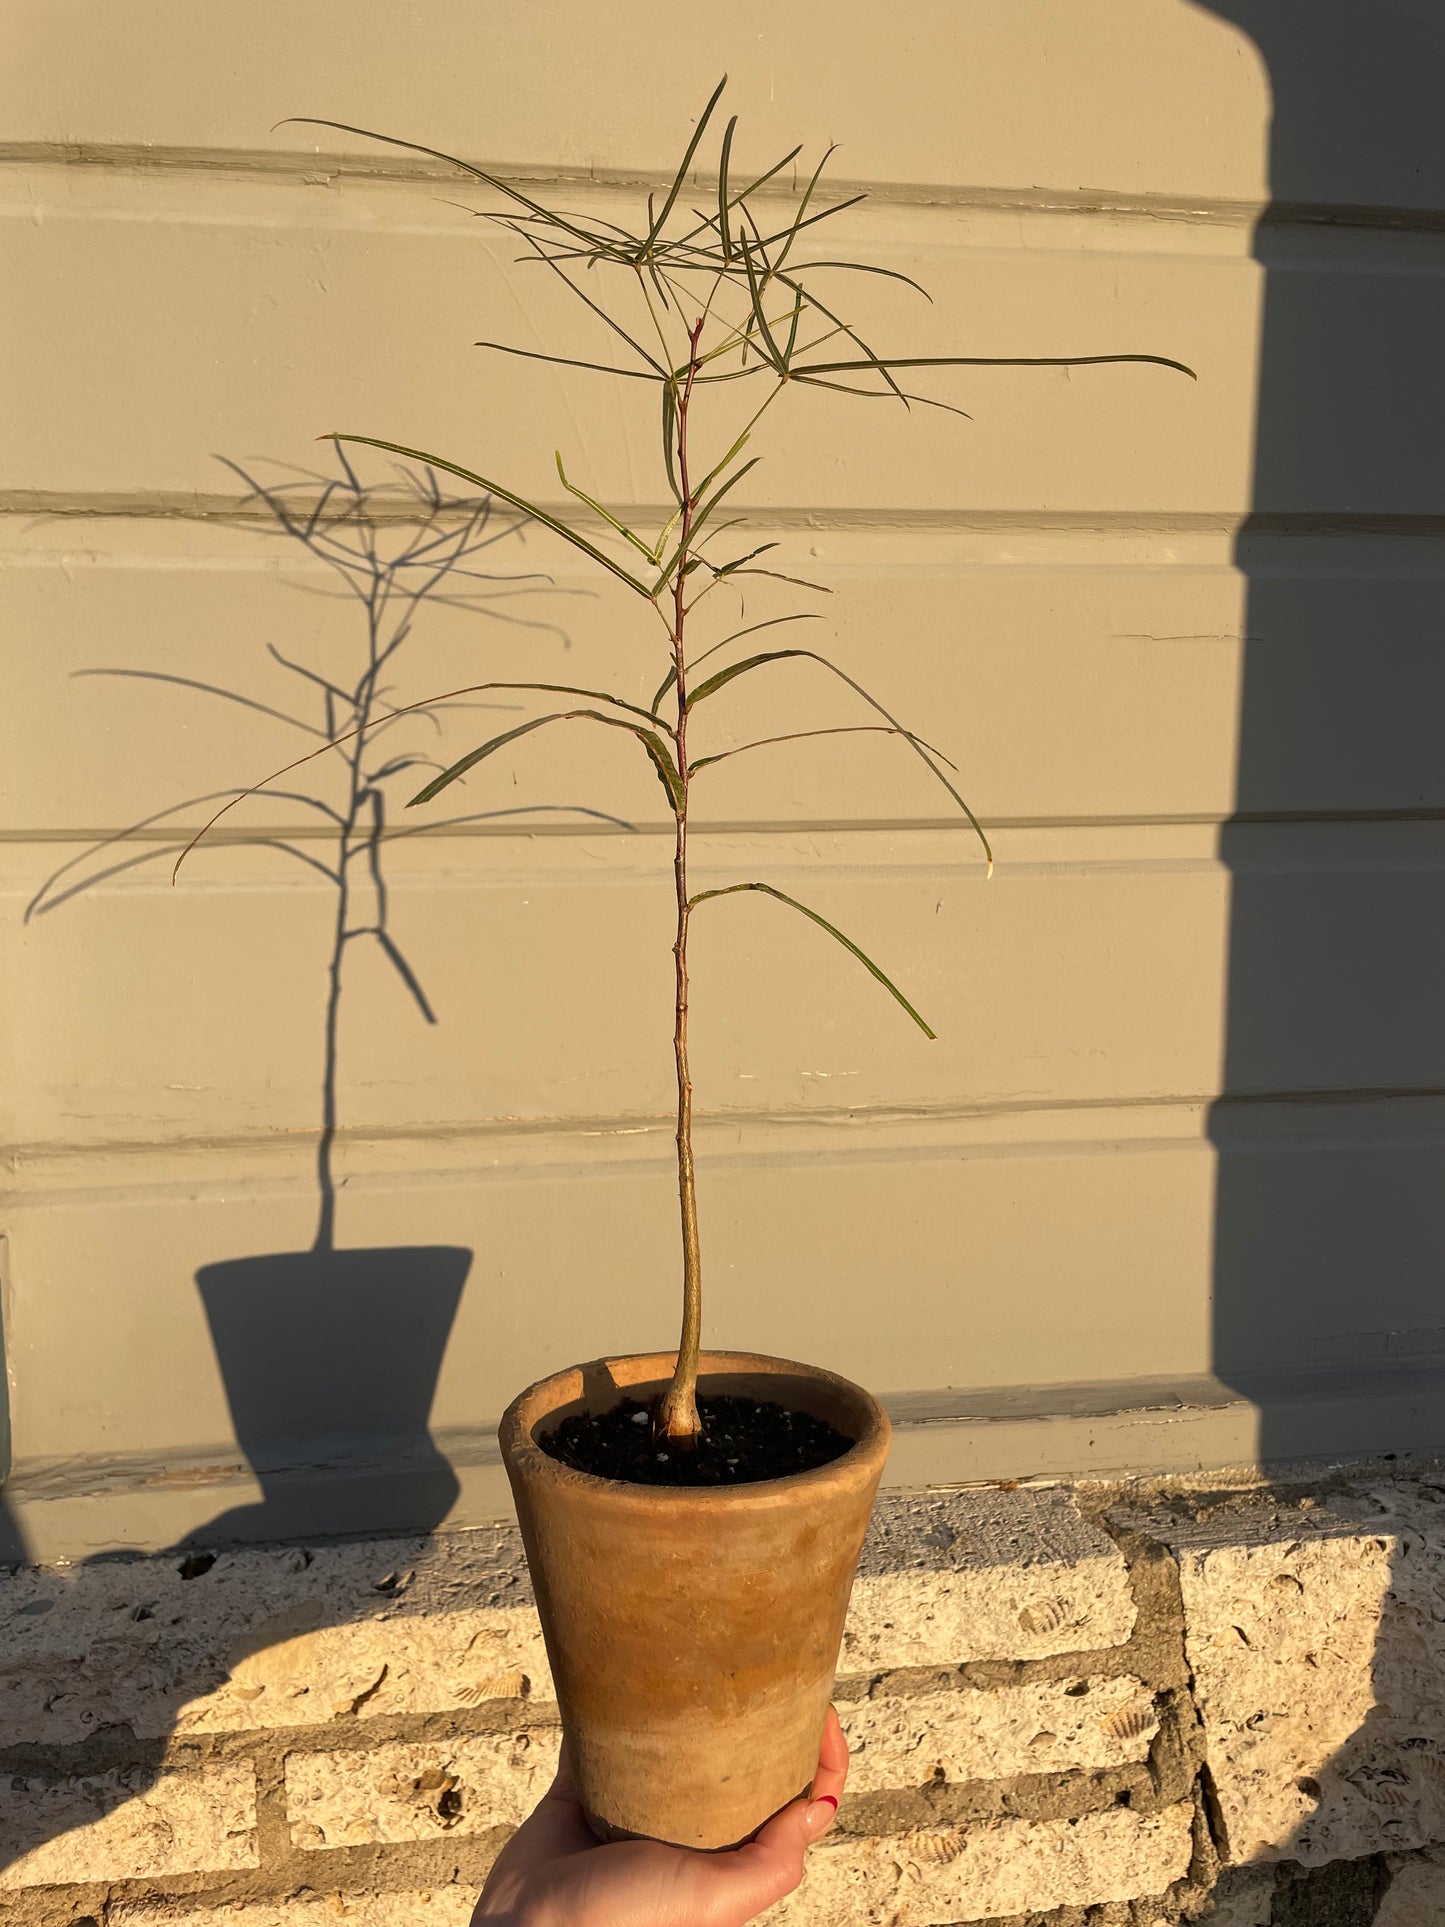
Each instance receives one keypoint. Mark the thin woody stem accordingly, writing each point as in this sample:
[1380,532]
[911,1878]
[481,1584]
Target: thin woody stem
[677,1418]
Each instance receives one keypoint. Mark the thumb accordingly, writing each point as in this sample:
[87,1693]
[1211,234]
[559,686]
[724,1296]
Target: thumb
[771,1865]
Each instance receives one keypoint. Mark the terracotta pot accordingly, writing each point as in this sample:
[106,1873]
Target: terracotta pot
[693,1632]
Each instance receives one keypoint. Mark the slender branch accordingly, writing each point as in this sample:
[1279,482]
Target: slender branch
[802,735]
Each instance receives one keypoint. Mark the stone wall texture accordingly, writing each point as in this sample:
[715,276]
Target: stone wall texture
[1129,1707]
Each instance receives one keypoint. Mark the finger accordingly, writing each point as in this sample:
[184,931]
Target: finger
[740,1884]
[564,1782]
[556,1825]
[832,1774]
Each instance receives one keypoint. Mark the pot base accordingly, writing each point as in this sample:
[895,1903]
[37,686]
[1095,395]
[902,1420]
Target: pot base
[611,1836]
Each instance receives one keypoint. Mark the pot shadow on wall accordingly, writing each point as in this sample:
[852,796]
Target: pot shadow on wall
[1329,1311]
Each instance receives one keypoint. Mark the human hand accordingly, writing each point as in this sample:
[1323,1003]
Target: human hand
[554,1873]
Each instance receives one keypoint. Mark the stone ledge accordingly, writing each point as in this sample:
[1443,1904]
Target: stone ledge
[74,1508]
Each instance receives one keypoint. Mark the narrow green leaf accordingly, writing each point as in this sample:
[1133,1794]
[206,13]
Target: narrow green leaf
[803,615]
[570,361]
[454,770]
[769,346]
[731,568]
[854,337]
[393,715]
[649,738]
[737,448]
[763,179]
[865,267]
[823,214]
[596,307]
[805,735]
[740,198]
[547,688]
[767,890]
[698,521]
[995,361]
[666,533]
[666,772]
[724,232]
[608,517]
[798,222]
[724,676]
[660,220]
[540,213]
[773,575]
[793,331]
[706,509]
[517,501]
[722,529]
[669,437]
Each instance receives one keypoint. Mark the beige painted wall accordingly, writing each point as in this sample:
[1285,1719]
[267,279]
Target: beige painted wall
[1052,587]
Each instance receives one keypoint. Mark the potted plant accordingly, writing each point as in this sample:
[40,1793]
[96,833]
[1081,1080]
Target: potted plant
[692,1519]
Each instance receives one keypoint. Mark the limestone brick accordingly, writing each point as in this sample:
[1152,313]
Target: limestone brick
[947,1577]
[417,1792]
[900,1740]
[1006,1867]
[127,1825]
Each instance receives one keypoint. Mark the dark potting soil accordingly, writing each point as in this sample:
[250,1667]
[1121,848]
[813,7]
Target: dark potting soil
[743,1440]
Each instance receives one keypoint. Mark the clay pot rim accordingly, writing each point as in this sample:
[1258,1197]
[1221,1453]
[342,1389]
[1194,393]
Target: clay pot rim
[868,1450]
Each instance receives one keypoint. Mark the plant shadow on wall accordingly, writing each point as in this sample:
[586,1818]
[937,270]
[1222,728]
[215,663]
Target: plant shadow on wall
[330,1355]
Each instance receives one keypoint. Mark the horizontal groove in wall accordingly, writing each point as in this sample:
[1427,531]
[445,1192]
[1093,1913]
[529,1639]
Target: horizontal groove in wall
[394,165]
[230,507]
[382,165]
[1294,524]
[507,1149]
[20,837]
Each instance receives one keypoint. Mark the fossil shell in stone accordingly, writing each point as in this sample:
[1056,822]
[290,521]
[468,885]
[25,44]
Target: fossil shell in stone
[1385,1789]
[935,1847]
[1128,1722]
[1047,1616]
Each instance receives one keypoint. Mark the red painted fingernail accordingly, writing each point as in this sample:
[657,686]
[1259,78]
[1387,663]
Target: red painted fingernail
[829,1798]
